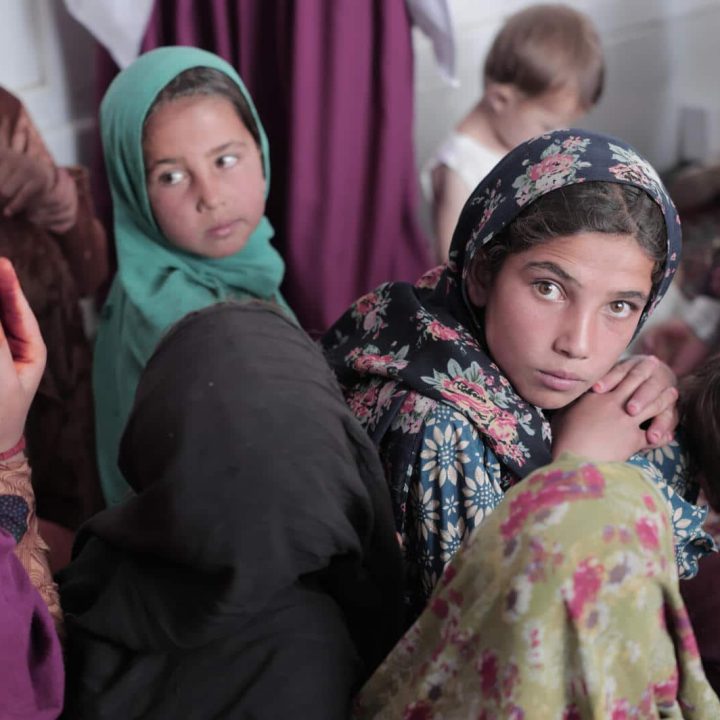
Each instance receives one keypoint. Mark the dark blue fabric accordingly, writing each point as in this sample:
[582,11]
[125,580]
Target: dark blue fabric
[425,337]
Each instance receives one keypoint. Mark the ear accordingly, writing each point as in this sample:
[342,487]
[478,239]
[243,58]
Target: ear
[500,97]
[478,286]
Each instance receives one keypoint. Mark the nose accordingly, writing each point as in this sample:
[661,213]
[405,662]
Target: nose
[208,191]
[575,334]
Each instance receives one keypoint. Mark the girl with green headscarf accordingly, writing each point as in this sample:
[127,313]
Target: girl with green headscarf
[188,164]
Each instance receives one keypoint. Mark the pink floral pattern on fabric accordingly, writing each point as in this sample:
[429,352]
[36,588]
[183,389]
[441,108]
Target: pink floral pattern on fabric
[545,490]
[453,434]
[533,620]
[558,166]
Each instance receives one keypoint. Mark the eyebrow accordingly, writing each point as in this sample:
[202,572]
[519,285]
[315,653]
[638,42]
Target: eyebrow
[225,146]
[209,153]
[563,275]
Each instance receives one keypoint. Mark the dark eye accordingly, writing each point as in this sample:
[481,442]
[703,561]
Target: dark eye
[548,290]
[621,308]
[172,177]
[226,161]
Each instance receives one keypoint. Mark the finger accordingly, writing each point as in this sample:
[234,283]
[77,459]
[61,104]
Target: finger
[628,374]
[657,378]
[654,403]
[8,372]
[617,374]
[662,411]
[20,327]
[662,428]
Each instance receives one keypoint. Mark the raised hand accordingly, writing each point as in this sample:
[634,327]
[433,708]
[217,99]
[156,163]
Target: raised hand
[22,357]
[598,426]
[655,394]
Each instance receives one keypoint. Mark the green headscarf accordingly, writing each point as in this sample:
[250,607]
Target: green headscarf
[157,283]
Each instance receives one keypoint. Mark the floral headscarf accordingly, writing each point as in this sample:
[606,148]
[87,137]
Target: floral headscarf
[424,338]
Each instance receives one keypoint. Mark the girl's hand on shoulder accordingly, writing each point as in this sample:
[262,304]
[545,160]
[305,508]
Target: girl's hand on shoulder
[22,357]
[598,425]
[654,394]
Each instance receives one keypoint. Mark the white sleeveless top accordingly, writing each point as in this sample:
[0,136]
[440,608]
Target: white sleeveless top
[466,156]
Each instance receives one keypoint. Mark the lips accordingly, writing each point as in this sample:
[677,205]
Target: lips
[223,229]
[559,380]
[561,374]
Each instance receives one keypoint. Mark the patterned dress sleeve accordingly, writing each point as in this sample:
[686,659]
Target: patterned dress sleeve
[666,467]
[443,485]
[31,550]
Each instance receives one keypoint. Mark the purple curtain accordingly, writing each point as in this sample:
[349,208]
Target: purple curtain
[332,80]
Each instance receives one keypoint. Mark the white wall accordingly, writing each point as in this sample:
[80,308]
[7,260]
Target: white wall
[48,60]
[661,55]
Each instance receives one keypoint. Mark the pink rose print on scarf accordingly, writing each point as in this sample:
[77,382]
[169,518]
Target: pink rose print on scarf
[469,391]
[490,200]
[368,361]
[431,327]
[497,424]
[633,169]
[370,310]
[557,164]
[431,278]
[362,403]
[442,332]
[557,167]
[380,364]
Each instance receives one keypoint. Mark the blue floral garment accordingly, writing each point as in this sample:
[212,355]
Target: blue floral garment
[453,481]
[452,432]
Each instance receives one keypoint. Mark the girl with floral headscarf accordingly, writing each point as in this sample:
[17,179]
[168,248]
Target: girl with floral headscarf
[559,256]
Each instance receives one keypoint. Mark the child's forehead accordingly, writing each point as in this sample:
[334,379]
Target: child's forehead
[602,259]
[200,113]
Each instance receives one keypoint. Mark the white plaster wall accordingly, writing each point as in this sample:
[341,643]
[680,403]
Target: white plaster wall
[48,60]
[661,55]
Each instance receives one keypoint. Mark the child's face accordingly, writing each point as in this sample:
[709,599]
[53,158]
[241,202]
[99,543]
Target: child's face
[559,315]
[520,117]
[204,175]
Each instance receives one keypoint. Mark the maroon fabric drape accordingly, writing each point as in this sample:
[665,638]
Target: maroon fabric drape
[332,81]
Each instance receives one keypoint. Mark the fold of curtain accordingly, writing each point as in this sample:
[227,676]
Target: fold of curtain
[333,84]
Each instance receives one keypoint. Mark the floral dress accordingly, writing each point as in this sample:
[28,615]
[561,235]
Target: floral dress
[452,481]
[533,620]
[453,434]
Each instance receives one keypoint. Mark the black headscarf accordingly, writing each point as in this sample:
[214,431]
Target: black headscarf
[256,572]
[426,338]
